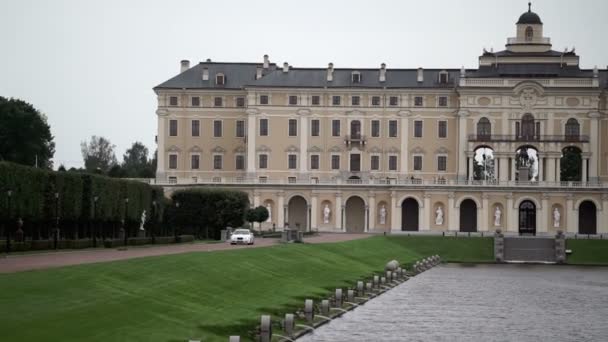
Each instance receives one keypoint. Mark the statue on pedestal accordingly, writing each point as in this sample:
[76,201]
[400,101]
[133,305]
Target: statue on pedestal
[383,214]
[326,213]
[439,216]
[556,217]
[143,220]
[269,209]
[497,215]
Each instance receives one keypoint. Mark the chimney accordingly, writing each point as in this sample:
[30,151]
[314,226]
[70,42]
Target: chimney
[205,74]
[382,72]
[266,62]
[420,77]
[258,73]
[285,67]
[596,72]
[185,65]
[208,60]
[330,72]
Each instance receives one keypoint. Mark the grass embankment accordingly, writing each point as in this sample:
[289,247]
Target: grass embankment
[587,252]
[203,295]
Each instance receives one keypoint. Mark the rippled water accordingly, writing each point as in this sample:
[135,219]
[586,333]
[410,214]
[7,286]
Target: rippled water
[483,303]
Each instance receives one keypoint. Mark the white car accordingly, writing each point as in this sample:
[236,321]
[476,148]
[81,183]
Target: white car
[242,236]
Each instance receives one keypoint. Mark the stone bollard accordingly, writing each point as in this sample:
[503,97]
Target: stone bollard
[369,287]
[289,324]
[376,281]
[325,307]
[309,310]
[350,295]
[499,246]
[389,276]
[391,265]
[360,289]
[397,274]
[382,280]
[234,339]
[560,247]
[265,329]
[338,297]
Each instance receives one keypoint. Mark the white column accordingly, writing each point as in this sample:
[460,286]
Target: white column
[404,157]
[372,212]
[540,176]
[366,219]
[338,211]
[571,215]
[452,214]
[281,211]
[471,167]
[251,133]
[550,169]
[602,225]
[558,169]
[584,170]
[162,133]
[314,214]
[482,217]
[462,145]
[513,168]
[394,212]
[256,199]
[594,144]
[504,169]
[511,221]
[426,213]
[303,144]
[543,223]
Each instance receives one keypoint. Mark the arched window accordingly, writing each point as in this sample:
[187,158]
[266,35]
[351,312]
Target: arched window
[529,33]
[484,129]
[572,130]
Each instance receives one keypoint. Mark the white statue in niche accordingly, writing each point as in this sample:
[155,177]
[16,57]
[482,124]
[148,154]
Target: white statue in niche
[269,209]
[383,214]
[497,215]
[439,216]
[556,217]
[326,213]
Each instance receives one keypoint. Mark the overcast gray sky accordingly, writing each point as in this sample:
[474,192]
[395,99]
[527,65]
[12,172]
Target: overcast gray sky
[90,65]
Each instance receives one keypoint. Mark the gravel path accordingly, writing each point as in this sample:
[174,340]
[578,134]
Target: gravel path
[27,262]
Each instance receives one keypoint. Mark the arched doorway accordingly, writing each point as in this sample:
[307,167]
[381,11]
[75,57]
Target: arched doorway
[297,213]
[355,215]
[587,218]
[468,216]
[527,218]
[409,215]
[571,164]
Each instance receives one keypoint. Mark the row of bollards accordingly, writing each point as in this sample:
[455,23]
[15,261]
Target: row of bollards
[362,292]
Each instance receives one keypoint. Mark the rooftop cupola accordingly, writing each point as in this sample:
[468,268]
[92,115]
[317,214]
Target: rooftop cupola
[529,18]
[529,37]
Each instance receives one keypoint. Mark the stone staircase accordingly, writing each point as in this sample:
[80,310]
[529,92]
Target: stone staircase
[529,249]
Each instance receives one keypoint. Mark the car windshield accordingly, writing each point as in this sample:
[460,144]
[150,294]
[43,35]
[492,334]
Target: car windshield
[241,232]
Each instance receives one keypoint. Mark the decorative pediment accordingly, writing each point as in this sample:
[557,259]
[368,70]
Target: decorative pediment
[375,149]
[442,150]
[240,149]
[292,148]
[195,148]
[335,149]
[218,149]
[392,149]
[173,148]
[355,112]
[315,149]
[303,111]
[263,148]
[417,150]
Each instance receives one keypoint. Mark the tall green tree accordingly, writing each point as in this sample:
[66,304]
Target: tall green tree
[98,154]
[135,161]
[571,165]
[25,135]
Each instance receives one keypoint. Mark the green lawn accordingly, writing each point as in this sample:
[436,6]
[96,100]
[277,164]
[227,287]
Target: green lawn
[206,295]
[587,252]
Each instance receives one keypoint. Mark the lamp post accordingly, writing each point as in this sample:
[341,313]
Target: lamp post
[124,225]
[174,224]
[153,220]
[9,194]
[56,233]
[94,231]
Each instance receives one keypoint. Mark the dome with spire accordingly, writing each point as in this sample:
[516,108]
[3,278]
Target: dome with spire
[529,17]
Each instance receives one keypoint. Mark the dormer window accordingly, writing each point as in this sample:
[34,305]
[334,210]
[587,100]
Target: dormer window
[529,33]
[220,79]
[356,77]
[444,77]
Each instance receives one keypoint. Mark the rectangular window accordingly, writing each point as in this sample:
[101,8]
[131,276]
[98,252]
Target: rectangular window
[355,162]
[196,128]
[418,101]
[375,128]
[263,127]
[173,161]
[316,100]
[292,162]
[217,128]
[172,128]
[195,161]
[264,99]
[293,127]
[335,100]
[442,129]
[417,163]
[392,128]
[240,128]
[292,180]
[217,162]
[196,101]
[443,77]
[240,102]
[375,100]
[375,163]
[335,128]
[441,163]
[263,161]
[417,129]
[356,100]
[173,101]
[315,127]
[293,100]
[240,162]
[392,163]
[314,162]
[217,101]
[393,101]
[443,101]
[335,162]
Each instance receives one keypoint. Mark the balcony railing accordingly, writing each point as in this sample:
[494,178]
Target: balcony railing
[528,138]
[355,139]
[534,40]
